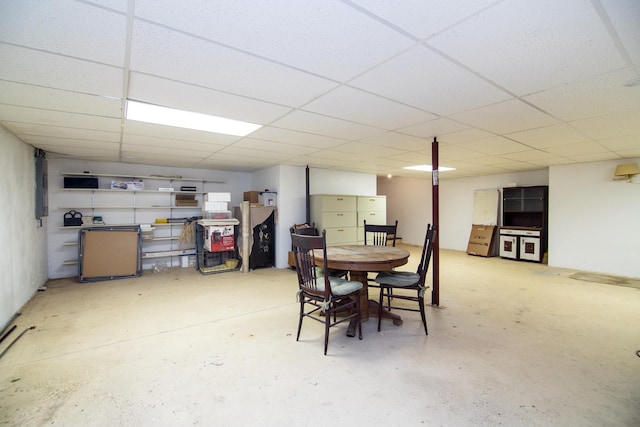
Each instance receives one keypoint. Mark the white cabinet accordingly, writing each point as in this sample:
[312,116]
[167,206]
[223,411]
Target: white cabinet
[343,216]
[518,243]
[156,204]
[373,209]
[337,215]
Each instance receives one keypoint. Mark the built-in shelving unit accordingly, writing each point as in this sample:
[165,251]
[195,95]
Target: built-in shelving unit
[134,206]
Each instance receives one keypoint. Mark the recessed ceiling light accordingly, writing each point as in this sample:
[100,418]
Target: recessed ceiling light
[149,113]
[427,168]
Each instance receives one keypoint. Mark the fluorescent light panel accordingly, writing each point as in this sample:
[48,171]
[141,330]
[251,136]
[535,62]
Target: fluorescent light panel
[427,168]
[149,113]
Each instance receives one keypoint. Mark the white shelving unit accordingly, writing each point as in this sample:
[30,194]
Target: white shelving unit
[133,207]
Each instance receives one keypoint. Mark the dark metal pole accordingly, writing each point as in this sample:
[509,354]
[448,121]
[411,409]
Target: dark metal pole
[308,198]
[435,255]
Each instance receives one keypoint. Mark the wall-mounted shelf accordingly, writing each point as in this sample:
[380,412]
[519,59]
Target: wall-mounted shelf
[155,177]
[133,207]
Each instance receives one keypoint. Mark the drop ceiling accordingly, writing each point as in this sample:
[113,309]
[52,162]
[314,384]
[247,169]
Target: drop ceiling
[360,85]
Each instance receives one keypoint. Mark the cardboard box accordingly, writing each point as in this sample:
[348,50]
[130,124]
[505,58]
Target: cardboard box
[252,196]
[481,240]
[186,200]
[219,238]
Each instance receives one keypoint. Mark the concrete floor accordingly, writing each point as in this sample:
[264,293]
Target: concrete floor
[512,343]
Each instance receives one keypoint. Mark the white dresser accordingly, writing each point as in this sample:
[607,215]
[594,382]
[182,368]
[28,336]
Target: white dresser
[373,209]
[343,216]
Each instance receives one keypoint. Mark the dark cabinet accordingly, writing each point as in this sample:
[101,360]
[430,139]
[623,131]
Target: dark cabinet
[523,234]
[263,251]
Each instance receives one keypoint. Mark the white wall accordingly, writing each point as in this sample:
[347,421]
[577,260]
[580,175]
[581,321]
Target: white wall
[23,262]
[409,201]
[292,196]
[594,222]
[329,181]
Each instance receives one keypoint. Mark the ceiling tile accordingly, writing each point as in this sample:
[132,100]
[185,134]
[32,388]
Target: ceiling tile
[173,55]
[98,34]
[397,140]
[156,90]
[276,147]
[549,136]
[437,85]
[622,124]
[455,152]
[323,125]
[625,15]
[259,154]
[621,143]
[326,38]
[179,134]
[59,72]
[362,150]
[294,137]
[112,146]
[506,117]
[533,45]
[158,151]
[572,150]
[23,95]
[361,107]
[464,135]
[57,118]
[118,5]
[426,18]
[596,96]
[28,129]
[433,128]
[155,142]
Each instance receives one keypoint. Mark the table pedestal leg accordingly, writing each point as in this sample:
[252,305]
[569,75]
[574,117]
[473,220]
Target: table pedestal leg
[368,307]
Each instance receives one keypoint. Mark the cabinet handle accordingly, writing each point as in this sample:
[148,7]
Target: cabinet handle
[340,214]
[340,198]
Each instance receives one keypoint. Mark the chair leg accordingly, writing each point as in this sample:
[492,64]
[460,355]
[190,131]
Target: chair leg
[358,317]
[327,323]
[422,314]
[301,316]
[380,306]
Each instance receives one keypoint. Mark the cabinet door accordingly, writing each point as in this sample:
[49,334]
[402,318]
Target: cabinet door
[530,248]
[509,246]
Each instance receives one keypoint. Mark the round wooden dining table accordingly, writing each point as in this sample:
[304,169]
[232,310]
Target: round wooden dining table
[360,260]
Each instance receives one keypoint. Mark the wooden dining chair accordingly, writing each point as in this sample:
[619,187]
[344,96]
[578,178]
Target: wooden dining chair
[390,282]
[380,235]
[311,230]
[327,295]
